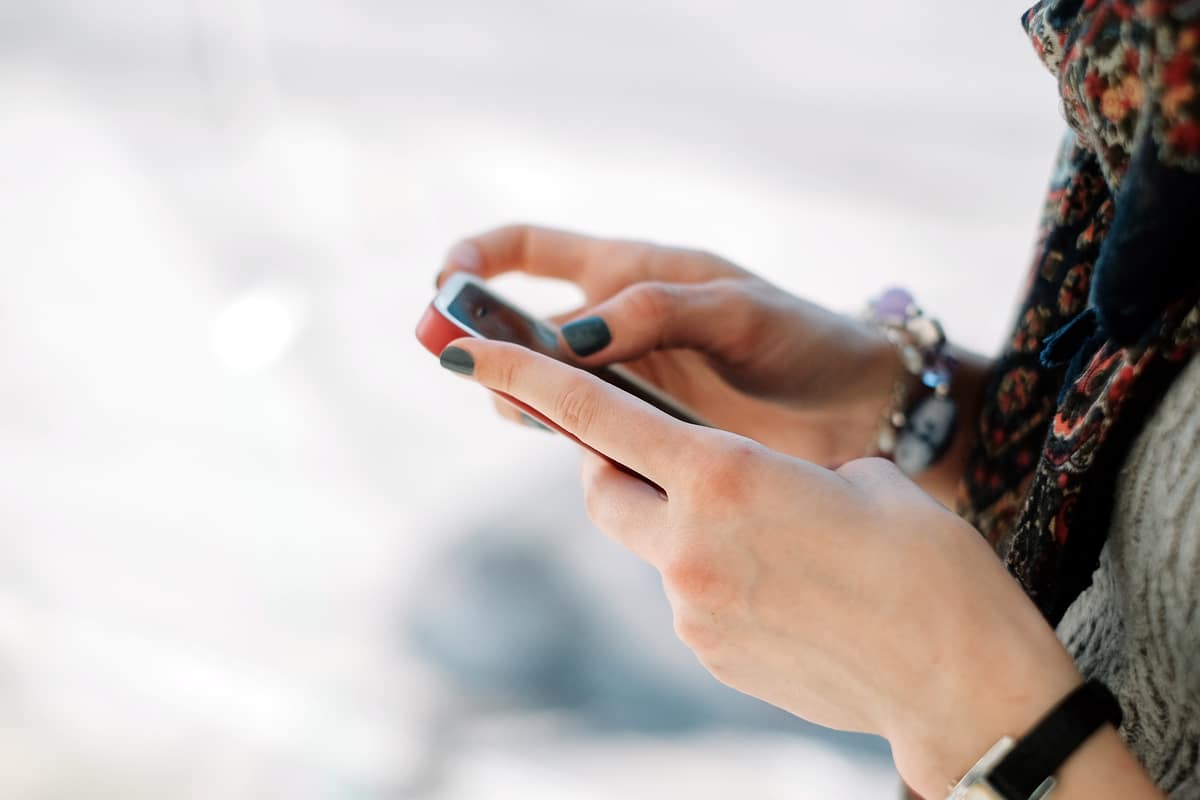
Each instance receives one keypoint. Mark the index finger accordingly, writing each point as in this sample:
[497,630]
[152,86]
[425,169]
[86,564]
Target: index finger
[551,253]
[602,417]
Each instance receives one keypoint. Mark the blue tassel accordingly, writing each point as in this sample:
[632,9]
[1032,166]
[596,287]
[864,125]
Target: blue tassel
[1073,346]
[1060,347]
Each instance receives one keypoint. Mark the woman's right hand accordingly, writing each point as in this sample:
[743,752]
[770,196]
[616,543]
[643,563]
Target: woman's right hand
[745,355]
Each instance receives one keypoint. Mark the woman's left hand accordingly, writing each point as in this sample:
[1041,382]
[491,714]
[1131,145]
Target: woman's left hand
[849,598]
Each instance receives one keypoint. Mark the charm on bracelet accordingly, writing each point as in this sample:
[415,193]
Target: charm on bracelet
[915,434]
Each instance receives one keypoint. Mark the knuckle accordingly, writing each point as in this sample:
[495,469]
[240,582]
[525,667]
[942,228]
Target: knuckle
[698,581]
[733,293]
[871,471]
[576,407]
[715,263]
[877,482]
[516,231]
[507,374]
[517,236]
[620,261]
[722,477]
[689,263]
[744,324]
[654,300]
[701,255]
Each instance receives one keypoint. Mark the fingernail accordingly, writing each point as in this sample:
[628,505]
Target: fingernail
[465,255]
[586,336]
[458,360]
[533,423]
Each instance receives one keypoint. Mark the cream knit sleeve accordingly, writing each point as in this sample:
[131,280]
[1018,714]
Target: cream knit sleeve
[1138,627]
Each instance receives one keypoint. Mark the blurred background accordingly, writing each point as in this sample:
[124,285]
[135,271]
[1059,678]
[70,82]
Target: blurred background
[253,542]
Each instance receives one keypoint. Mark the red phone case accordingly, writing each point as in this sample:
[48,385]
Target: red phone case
[435,331]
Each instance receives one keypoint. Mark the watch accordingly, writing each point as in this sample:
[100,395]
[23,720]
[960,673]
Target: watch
[1024,770]
[975,786]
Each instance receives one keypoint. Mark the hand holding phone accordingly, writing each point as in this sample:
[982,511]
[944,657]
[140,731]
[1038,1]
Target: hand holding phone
[466,306]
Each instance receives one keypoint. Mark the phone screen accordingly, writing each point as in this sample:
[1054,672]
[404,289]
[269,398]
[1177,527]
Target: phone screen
[488,315]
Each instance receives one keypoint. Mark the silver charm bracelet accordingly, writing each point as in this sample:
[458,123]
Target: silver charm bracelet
[915,435]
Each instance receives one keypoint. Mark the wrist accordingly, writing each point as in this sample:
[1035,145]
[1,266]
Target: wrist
[859,380]
[883,365]
[935,751]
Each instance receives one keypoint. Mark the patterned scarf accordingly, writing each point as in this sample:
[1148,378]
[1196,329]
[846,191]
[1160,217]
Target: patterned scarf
[1111,313]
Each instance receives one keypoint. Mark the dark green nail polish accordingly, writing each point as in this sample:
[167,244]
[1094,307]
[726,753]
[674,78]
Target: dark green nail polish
[586,336]
[533,423]
[458,360]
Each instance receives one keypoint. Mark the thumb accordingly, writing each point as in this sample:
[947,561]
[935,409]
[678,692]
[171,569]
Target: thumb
[712,317]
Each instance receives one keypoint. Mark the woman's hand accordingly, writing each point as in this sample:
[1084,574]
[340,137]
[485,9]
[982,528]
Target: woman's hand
[847,597]
[745,355]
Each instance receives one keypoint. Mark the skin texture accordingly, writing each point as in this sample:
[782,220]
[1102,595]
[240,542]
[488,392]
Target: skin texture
[848,596]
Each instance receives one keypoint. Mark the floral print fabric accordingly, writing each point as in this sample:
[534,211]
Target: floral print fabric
[1110,314]
[1125,70]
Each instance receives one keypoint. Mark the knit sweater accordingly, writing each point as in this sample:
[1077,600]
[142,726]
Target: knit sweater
[1137,628]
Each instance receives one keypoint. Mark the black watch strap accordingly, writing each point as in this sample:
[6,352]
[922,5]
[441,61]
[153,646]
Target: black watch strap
[1039,754]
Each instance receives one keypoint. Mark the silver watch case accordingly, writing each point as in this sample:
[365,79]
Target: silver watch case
[975,786]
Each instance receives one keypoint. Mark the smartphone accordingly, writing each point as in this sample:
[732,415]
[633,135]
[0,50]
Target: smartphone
[466,306]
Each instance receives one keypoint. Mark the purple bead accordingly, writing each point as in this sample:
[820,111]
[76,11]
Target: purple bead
[892,306]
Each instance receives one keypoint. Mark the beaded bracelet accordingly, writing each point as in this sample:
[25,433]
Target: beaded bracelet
[915,437]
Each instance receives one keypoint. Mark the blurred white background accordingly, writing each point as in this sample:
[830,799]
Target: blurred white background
[253,542]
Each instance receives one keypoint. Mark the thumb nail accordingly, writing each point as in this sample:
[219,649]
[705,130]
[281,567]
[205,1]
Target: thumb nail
[458,360]
[586,336]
